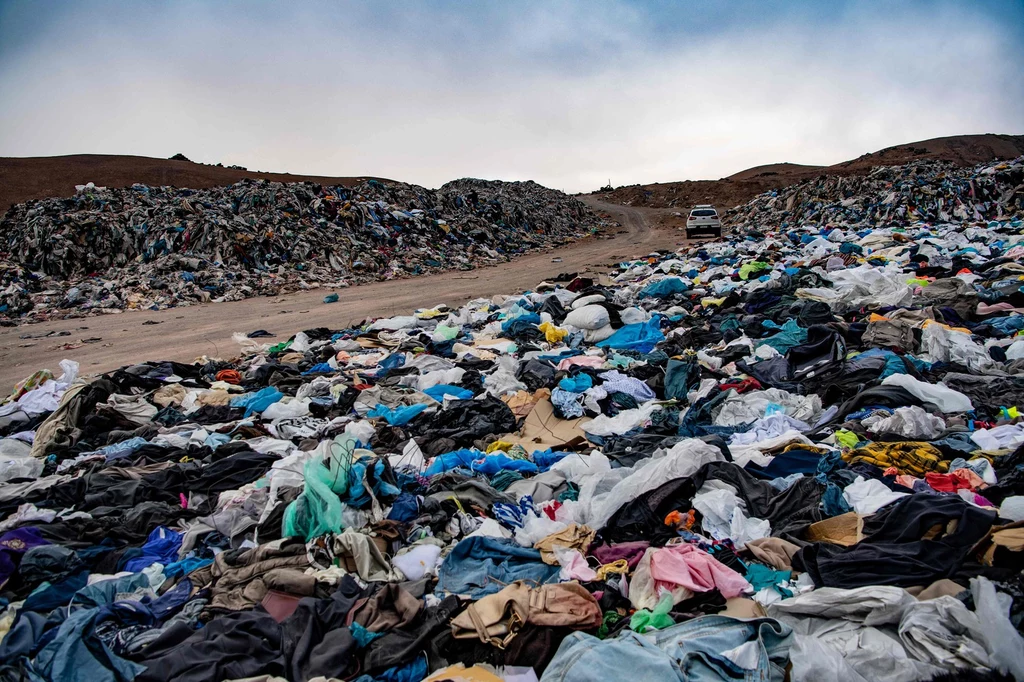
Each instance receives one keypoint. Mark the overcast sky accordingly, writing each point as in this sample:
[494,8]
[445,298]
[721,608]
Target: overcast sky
[570,94]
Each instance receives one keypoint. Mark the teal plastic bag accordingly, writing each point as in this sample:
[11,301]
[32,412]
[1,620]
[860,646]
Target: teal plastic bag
[319,508]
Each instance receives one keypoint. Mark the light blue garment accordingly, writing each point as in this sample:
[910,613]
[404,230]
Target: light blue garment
[215,440]
[519,321]
[439,391]
[616,382]
[585,658]
[642,336]
[961,442]
[499,461]
[784,483]
[106,591]
[451,460]
[688,652]
[397,416]
[258,401]
[319,368]
[569,403]
[122,449]
[663,288]
[576,384]
[545,459]
[479,566]
[70,658]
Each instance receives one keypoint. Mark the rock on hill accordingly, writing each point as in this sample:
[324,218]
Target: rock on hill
[962,150]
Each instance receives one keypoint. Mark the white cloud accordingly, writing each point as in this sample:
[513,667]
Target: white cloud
[558,93]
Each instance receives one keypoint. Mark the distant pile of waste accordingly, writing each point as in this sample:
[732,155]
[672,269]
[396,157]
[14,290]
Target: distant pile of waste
[147,247]
[922,191]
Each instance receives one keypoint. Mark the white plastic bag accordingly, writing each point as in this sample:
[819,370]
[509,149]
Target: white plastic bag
[910,422]
[588,317]
[717,507]
[536,528]
[295,407]
[586,300]
[940,395]
[1012,508]
[1004,644]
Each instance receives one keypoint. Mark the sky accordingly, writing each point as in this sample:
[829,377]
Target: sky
[570,94]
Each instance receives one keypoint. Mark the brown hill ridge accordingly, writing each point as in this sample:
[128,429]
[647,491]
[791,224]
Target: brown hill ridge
[963,150]
[22,179]
[27,178]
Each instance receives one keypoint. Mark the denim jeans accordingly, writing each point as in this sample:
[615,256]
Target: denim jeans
[704,649]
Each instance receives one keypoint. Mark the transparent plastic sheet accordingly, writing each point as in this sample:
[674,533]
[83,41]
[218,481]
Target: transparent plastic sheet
[1004,643]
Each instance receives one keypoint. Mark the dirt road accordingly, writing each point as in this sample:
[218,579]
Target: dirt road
[184,334]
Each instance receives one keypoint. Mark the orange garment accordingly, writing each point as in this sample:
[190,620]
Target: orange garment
[230,376]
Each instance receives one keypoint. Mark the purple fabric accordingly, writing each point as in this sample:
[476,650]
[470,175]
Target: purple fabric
[632,552]
[13,544]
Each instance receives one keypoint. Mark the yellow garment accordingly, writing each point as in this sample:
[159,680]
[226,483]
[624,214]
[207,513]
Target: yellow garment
[498,445]
[914,458]
[428,314]
[36,380]
[552,333]
[928,323]
[621,567]
[816,449]
[460,673]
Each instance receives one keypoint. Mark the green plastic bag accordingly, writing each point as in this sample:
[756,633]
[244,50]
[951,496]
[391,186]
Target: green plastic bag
[644,620]
[445,332]
[318,509]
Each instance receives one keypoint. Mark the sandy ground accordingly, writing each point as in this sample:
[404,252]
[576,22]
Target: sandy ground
[184,334]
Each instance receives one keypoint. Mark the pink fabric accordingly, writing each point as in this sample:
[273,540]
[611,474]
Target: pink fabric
[581,361]
[696,570]
[574,566]
[988,309]
[906,480]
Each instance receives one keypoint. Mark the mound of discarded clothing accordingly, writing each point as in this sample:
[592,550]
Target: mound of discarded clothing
[792,454]
[143,247]
[921,191]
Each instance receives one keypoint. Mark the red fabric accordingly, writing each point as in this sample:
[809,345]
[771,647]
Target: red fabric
[748,384]
[950,483]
